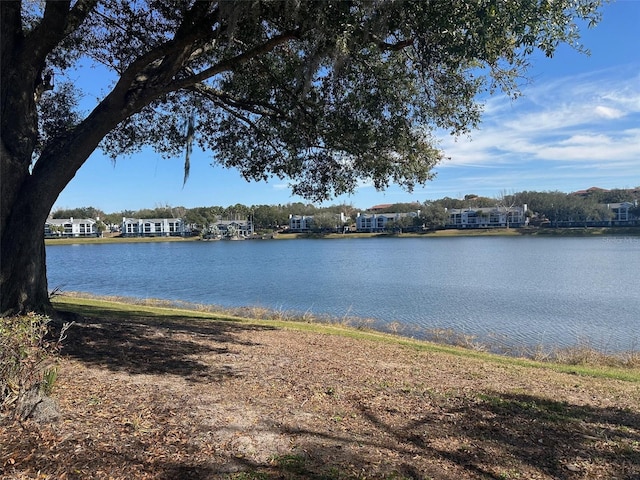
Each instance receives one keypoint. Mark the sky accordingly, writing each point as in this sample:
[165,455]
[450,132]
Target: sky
[576,125]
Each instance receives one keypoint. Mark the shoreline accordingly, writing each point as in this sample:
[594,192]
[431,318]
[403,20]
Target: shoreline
[581,352]
[445,233]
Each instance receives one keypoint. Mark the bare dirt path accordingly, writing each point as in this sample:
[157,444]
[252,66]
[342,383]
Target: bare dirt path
[215,400]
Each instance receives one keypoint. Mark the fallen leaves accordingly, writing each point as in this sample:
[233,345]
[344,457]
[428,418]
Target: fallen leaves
[287,404]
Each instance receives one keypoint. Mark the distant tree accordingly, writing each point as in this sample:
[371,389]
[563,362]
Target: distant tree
[433,215]
[158,212]
[403,223]
[210,230]
[83,212]
[113,218]
[505,203]
[236,212]
[347,210]
[202,216]
[269,216]
[57,230]
[299,208]
[323,93]
[616,195]
[401,208]
[449,203]
[232,231]
[476,201]
[327,221]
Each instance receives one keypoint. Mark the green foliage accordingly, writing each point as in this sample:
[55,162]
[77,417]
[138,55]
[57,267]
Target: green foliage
[324,93]
[561,207]
[326,222]
[165,211]
[269,216]
[28,357]
[433,215]
[81,212]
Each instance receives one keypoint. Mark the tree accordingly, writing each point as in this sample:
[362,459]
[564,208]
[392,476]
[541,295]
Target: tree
[505,203]
[83,212]
[269,216]
[433,215]
[236,212]
[326,222]
[325,94]
[400,208]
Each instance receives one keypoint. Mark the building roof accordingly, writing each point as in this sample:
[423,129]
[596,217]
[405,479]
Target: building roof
[150,220]
[65,221]
[382,206]
[589,190]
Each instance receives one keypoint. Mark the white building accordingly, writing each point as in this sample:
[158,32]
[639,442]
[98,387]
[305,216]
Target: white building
[304,223]
[300,223]
[487,217]
[72,227]
[378,222]
[621,213]
[234,228]
[152,227]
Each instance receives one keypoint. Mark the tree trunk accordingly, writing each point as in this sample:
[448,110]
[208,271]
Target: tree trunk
[23,277]
[23,267]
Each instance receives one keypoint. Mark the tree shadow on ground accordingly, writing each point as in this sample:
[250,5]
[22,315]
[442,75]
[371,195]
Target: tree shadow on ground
[496,435]
[385,433]
[141,343]
[487,436]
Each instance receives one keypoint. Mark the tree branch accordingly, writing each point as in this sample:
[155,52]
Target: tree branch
[231,63]
[46,35]
[259,108]
[158,66]
[78,14]
[10,26]
[392,47]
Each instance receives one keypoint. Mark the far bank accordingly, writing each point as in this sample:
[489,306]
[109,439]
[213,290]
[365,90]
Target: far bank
[472,232]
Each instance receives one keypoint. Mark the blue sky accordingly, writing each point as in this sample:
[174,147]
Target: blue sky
[577,125]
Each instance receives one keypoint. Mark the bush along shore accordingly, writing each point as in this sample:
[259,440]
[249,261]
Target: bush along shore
[148,391]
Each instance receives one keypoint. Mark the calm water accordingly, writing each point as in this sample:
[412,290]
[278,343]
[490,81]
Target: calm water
[514,291]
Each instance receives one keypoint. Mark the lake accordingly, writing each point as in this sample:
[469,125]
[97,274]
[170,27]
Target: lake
[509,292]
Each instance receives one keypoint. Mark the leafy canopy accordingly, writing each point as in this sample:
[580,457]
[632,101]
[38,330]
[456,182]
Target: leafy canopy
[324,93]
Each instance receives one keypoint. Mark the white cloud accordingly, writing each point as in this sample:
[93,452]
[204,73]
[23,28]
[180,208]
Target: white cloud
[608,112]
[587,118]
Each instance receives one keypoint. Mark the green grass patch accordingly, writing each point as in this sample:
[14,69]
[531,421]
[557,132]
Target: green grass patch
[539,408]
[101,240]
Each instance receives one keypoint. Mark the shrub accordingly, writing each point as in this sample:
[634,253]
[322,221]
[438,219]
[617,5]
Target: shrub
[28,362]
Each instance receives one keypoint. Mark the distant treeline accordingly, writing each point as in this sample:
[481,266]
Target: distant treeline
[554,206]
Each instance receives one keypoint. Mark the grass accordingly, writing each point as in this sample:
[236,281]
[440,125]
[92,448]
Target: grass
[101,240]
[580,361]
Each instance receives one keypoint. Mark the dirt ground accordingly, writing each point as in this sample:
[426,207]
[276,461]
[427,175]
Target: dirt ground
[222,400]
